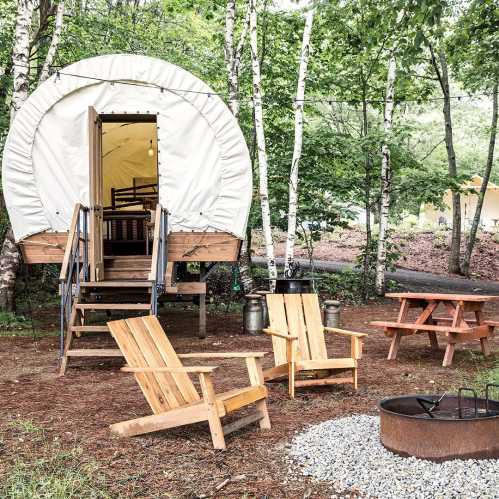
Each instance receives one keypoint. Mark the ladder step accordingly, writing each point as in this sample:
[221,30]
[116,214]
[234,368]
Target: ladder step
[95,352]
[113,306]
[116,284]
[90,329]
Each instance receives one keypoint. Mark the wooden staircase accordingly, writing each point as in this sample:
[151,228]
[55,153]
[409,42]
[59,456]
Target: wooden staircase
[131,285]
[122,290]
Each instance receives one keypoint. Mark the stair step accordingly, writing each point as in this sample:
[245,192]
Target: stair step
[116,284]
[95,352]
[113,306]
[126,274]
[90,329]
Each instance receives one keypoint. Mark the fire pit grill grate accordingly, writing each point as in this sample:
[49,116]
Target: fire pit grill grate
[432,407]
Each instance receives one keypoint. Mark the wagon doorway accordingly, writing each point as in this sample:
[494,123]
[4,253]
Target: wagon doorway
[123,185]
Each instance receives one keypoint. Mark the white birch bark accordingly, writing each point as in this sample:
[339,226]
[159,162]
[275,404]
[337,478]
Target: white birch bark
[9,256]
[386,175]
[294,173]
[260,140]
[20,56]
[54,42]
[232,61]
[233,54]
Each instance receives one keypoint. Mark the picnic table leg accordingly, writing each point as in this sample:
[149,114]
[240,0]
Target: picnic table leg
[394,346]
[449,353]
[433,340]
[484,342]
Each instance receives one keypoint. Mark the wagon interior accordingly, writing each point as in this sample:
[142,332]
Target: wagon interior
[129,183]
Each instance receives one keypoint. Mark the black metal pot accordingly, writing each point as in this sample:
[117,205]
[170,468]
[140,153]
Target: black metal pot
[293,286]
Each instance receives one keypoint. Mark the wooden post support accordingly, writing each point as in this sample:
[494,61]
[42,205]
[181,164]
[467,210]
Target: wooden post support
[433,340]
[394,346]
[217,434]
[202,304]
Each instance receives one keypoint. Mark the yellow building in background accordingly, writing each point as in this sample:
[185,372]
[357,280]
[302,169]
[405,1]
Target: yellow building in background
[431,216]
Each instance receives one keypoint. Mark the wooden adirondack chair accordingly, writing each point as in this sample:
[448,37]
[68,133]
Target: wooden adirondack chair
[299,346]
[169,390]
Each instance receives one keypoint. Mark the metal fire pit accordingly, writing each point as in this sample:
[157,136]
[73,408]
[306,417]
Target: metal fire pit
[441,427]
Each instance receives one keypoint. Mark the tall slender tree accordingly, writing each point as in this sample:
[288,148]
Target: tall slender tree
[260,142]
[298,141]
[232,61]
[439,63]
[10,257]
[54,42]
[483,188]
[386,175]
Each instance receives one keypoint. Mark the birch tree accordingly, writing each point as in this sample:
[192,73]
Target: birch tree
[232,62]
[54,42]
[10,256]
[386,174]
[260,141]
[298,141]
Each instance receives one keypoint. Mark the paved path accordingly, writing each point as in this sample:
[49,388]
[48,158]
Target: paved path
[407,278]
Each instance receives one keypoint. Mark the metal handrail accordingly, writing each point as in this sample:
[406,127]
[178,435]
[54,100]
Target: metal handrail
[159,256]
[75,267]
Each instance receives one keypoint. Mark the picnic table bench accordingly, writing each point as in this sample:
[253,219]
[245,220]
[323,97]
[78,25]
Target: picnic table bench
[457,328]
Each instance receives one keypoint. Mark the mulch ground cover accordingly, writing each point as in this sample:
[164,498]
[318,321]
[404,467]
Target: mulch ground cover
[76,410]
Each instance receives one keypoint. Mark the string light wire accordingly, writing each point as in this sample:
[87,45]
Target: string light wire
[311,100]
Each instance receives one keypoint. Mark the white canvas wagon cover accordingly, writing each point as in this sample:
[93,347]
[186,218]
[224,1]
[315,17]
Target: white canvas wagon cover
[204,169]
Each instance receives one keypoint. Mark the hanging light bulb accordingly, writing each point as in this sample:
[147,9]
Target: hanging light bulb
[150,151]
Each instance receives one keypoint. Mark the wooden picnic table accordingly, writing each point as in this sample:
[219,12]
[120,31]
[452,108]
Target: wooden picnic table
[456,326]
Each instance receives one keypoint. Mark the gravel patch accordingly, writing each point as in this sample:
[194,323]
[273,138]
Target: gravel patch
[348,453]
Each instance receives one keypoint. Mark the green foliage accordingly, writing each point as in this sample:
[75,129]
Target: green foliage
[9,320]
[345,286]
[489,376]
[393,255]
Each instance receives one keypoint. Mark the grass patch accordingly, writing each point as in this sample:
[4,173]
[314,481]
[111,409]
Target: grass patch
[26,333]
[26,426]
[61,475]
[8,320]
[490,375]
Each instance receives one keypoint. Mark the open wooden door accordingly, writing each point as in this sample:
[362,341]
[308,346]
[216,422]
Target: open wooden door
[96,246]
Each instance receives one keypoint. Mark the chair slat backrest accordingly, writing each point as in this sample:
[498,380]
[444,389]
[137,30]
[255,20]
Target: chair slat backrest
[144,344]
[297,315]
[278,323]
[315,329]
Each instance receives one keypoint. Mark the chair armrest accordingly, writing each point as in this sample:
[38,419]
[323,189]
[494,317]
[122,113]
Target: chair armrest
[188,369]
[279,335]
[344,332]
[220,355]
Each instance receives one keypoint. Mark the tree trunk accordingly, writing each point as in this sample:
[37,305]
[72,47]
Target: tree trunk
[443,78]
[232,61]
[10,256]
[367,202]
[54,43]
[386,175]
[483,187]
[299,105]
[9,265]
[20,55]
[260,140]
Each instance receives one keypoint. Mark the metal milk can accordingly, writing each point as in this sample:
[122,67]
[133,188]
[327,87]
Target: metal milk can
[332,313]
[252,314]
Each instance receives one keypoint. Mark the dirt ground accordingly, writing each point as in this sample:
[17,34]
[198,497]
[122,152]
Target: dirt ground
[75,410]
[418,249]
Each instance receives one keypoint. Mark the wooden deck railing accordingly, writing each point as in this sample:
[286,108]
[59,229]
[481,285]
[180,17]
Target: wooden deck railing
[74,266]
[159,256]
